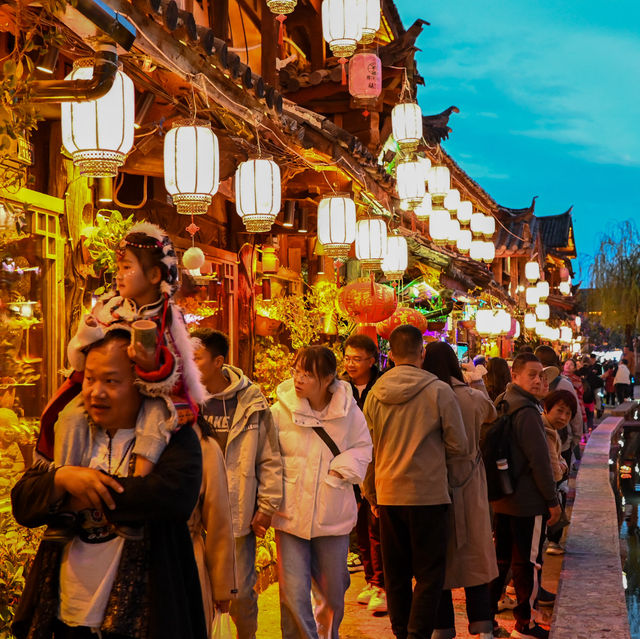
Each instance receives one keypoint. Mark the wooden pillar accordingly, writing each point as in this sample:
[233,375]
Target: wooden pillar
[219,17]
[269,50]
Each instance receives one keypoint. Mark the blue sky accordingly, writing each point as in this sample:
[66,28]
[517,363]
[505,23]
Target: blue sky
[549,99]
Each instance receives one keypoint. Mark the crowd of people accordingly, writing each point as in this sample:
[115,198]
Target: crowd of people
[158,466]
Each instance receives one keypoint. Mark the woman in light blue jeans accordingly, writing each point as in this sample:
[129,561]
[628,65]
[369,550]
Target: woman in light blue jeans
[326,448]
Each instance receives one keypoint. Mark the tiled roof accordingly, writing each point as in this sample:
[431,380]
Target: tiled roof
[556,229]
[516,231]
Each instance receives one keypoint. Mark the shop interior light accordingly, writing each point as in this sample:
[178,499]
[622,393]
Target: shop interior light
[542,311]
[47,63]
[371,243]
[406,125]
[258,192]
[409,182]
[303,224]
[532,271]
[396,258]
[465,211]
[543,289]
[370,20]
[423,210]
[320,265]
[289,215]
[336,224]
[98,134]
[191,165]
[105,190]
[342,24]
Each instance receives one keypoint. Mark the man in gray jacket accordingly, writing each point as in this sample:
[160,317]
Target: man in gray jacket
[241,422]
[416,426]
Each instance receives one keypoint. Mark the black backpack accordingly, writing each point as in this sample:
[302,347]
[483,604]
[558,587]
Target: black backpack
[495,444]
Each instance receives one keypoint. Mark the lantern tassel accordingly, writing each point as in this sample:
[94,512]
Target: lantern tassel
[281,18]
[343,63]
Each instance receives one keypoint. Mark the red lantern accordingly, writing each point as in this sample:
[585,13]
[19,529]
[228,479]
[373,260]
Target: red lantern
[402,315]
[366,302]
[365,76]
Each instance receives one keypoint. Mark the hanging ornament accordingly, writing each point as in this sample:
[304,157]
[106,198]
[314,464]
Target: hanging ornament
[531,295]
[439,226]
[396,258]
[371,243]
[281,8]
[477,224]
[337,224]
[543,289]
[258,193]
[342,28]
[463,243]
[532,271]
[542,311]
[476,250]
[406,124]
[193,258]
[410,183]
[465,212]
[370,13]
[530,320]
[489,226]
[564,287]
[365,76]
[191,165]
[98,134]
[402,315]
[367,303]
[488,252]
[452,201]
[423,210]
[453,232]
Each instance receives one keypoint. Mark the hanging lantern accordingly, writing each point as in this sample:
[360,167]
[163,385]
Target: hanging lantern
[191,165]
[578,321]
[423,210]
[476,250]
[396,257]
[365,75]
[452,200]
[517,331]
[439,226]
[489,226]
[270,261]
[554,334]
[426,165]
[193,259]
[402,315]
[542,311]
[370,12]
[454,231]
[342,26]
[463,243]
[566,334]
[371,243]
[543,289]
[502,320]
[410,183]
[281,8]
[477,223]
[565,288]
[258,193]
[530,320]
[541,329]
[98,134]
[406,125]
[336,224]
[564,273]
[488,252]
[484,321]
[531,295]
[465,211]
[367,302]
[439,179]
[532,271]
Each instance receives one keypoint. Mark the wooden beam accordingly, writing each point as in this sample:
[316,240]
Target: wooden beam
[219,15]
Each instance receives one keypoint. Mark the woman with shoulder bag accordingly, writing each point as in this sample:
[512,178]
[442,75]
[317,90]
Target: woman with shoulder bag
[326,448]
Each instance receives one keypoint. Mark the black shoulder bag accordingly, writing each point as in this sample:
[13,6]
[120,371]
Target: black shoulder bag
[333,447]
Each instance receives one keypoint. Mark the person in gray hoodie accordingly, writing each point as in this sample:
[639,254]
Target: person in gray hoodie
[242,425]
[416,427]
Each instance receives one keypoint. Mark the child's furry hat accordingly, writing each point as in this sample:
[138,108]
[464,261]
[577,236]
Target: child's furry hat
[157,238]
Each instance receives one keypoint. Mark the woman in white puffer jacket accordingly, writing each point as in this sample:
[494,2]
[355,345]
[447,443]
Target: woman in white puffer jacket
[319,508]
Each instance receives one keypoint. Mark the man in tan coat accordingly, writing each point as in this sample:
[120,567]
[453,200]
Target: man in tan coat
[416,426]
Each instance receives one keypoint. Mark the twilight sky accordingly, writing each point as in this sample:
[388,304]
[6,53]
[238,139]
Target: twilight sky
[549,99]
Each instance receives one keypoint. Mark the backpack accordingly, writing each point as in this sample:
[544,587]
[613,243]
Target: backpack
[495,444]
[587,392]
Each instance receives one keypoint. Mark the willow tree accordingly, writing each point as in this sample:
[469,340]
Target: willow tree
[615,277]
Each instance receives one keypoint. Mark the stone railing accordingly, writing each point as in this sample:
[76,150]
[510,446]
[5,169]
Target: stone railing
[590,601]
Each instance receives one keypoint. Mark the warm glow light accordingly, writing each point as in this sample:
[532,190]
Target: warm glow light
[410,183]
[484,322]
[191,165]
[439,179]
[452,200]
[488,252]
[543,289]
[531,295]
[489,226]
[566,334]
[565,288]
[532,271]
[530,320]
[258,193]
[406,125]
[365,75]
[439,226]
[542,311]
[371,242]
[396,258]
[476,250]
[342,26]
[477,223]
[463,243]
[465,211]
[541,328]
[423,210]
[98,134]
[370,12]
[336,224]
[454,231]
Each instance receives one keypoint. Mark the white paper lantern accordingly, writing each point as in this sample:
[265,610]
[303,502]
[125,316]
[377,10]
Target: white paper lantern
[531,295]
[396,258]
[530,320]
[542,311]
[465,211]
[425,163]
[541,328]
[452,200]
[423,210]
[578,321]
[518,330]
[575,348]
[463,243]
[502,320]
[566,334]
[477,223]
[488,252]
[406,125]
[439,179]
[342,23]
[565,288]
[336,224]
[439,226]
[454,231]
[484,322]
[532,271]
[476,250]
[554,334]
[258,193]
[489,226]
[543,289]
[193,259]
[410,183]
[371,243]
[191,165]
[98,134]
[370,12]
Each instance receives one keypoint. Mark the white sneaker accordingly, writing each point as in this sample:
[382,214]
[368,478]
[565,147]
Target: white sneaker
[510,590]
[506,603]
[554,549]
[378,601]
[365,594]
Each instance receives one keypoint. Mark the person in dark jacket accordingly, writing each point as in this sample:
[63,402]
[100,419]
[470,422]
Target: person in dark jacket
[100,584]
[360,357]
[520,518]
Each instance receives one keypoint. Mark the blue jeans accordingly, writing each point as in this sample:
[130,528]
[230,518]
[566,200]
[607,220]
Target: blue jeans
[321,562]
[244,608]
